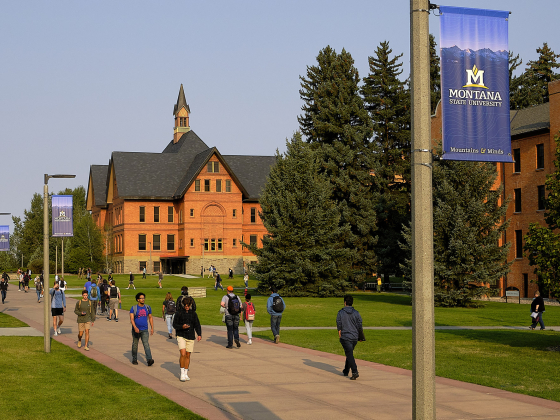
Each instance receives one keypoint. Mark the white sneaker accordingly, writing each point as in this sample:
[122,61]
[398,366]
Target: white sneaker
[187,376]
[250,342]
[55,333]
[58,331]
[183,374]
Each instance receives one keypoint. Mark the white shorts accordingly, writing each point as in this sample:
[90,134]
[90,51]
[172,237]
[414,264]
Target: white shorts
[185,344]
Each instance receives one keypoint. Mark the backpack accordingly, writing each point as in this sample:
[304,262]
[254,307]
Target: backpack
[93,291]
[114,292]
[170,307]
[135,310]
[250,312]
[234,306]
[62,284]
[39,286]
[277,304]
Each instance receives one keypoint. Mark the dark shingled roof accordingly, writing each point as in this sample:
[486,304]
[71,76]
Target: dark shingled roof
[530,120]
[99,180]
[252,172]
[194,168]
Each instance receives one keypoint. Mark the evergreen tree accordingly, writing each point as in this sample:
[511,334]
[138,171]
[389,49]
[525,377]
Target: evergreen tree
[517,95]
[304,253]
[387,100]
[435,75]
[335,122]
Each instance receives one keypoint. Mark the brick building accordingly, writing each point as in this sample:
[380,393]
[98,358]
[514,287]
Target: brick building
[532,142]
[181,209]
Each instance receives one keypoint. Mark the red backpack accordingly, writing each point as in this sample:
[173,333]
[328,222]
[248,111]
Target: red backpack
[250,312]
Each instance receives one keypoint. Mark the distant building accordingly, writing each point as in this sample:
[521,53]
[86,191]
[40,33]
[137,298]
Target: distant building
[181,209]
[532,142]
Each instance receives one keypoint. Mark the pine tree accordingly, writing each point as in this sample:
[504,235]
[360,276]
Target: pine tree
[335,122]
[517,95]
[303,253]
[387,100]
[435,76]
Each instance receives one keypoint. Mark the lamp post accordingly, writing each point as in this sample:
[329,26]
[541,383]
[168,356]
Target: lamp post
[46,300]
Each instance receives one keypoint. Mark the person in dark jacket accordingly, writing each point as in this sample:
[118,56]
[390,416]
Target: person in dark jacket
[537,306]
[349,325]
[187,329]
[180,305]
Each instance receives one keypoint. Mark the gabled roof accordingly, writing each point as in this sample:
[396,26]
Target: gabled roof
[530,120]
[98,179]
[252,172]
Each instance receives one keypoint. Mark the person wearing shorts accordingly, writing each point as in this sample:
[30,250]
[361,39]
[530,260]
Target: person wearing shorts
[187,330]
[114,295]
[86,310]
[58,307]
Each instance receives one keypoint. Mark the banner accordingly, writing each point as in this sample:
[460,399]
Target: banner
[475,84]
[62,223]
[4,238]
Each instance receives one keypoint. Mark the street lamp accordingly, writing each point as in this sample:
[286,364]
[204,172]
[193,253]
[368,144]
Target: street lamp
[46,300]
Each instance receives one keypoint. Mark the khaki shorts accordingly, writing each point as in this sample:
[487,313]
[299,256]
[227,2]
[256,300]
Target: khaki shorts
[82,326]
[114,304]
[185,344]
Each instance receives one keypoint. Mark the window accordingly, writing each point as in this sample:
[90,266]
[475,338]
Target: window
[525,285]
[214,167]
[518,244]
[182,121]
[170,212]
[540,156]
[143,265]
[156,214]
[219,244]
[180,244]
[212,244]
[228,185]
[180,216]
[142,214]
[253,215]
[218,185]
[142,242]
[234,213]
[517,160]
[192,242]
[157,242]
[197,185]
[171,242]
[206,244]
[235,242]
[192,212]
[517,198]
[157,266]
[253,240]
[540,193]
[207,185]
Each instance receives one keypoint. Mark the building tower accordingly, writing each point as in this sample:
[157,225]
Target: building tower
[181,112]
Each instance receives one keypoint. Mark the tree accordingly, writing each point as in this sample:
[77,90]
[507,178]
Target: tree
[336,124]
[387,100]
[435,76]
[303,253]
[86,247]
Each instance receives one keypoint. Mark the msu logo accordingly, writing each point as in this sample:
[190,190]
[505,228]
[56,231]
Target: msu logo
[475,78]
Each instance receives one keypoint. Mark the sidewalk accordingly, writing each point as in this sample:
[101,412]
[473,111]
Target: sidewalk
[268,381]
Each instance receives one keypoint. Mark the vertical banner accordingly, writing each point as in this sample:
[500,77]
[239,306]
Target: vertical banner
[475,84]
[62,223]
[4,238]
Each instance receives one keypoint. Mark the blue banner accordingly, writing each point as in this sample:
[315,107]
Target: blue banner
[4,238]
[475,84]
[62,221]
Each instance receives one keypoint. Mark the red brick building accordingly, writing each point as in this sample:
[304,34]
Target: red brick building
[181,209]
[532,142]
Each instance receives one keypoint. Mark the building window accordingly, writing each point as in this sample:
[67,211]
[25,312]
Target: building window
[156,267]
[192,242]
[234,242]
[253,240]
[207,185]
[214,167]
[218,185]
[142,214]
[171,242]
[234,213]
[253,215]
[197,185]
[541,193]
[180,244]
[156,214]
[157,242]
[219,244]
[212,244]
[192,212]
[182,121]
[180,216]
[518,244]
[142,242]
[525,285]
[517,160]
[517,198]
[540,156]
[143,265]
[170,212]
[206,244]
[228,185]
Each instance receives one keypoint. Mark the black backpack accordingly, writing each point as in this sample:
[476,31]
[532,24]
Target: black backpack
[234,306]
[170,307]
[114,292]
[277,304]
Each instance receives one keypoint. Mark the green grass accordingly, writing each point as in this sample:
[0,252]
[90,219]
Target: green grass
[7,321]
[65,384]
[516,361]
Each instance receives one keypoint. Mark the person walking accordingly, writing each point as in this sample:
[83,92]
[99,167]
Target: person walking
[184,293]
[218,283]
[230,273]
[58,307]
[168,310]
[4,283]
[187,329]
[211,271]
[94,295]
[160,279]
[246,280]
[38,288]
[85,309]
[275,306]
[62,284]
[349,326]
[378,284]
[248,317]
[131,281]
[232,305]
[104,298]
[537,306]
[144,272]
[114,295]
[140,317]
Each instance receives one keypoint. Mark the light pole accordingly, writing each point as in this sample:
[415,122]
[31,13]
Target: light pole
[46,300]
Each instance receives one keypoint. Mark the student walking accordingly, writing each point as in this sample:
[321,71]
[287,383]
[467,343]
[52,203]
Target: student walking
[58,307]
[131,281]
[168,310]
[275,306]
[38,288]
[187,329]
[218,283]
[85,309]
[94,295]
[140,317]
[248,317]
[114,295]
[232,305]
[349,326]
[144,273]
[4,283]
[160,279]
[537,306]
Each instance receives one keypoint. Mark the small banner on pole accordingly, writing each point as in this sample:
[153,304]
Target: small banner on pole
[62,222]
[475,84]
[4,238]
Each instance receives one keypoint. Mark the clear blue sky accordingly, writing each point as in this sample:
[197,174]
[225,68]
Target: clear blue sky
[82,79]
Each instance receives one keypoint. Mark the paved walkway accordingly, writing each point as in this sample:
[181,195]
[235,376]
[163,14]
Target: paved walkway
[268,381]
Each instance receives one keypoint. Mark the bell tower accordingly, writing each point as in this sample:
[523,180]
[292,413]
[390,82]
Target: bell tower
[181,112]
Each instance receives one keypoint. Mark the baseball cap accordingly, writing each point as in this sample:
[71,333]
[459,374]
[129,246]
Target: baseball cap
[230,288]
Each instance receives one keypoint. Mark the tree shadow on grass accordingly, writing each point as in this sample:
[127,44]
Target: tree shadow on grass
[392,299]
[537,340]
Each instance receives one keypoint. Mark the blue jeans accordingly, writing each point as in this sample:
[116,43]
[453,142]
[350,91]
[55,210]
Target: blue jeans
[348,347]
[144,336]
[3,295]
[232,324]
[38,294]
[169,322]
[218,285]
[540,321]
[275,324]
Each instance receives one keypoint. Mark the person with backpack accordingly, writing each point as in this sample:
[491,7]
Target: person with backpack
[131,281]
[140,317]
[168,310]
[114,295]
[58,307]
[94,294]
[62,284]
[184,293]
[349,326]
[85,309]
[275,306]
[232,306]
[104,298]
[38,288]
[4,283]
[187,328]
[218,283]
[248,310]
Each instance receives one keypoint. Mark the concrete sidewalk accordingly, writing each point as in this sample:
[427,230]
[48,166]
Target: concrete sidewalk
[268,381]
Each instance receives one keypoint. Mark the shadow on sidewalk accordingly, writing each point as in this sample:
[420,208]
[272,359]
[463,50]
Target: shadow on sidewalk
[322,366]
[244,409]
[172,368]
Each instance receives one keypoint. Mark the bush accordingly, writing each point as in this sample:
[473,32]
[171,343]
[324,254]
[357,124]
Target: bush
[459,298]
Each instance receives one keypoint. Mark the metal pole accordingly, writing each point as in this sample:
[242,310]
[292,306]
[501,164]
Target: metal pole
[423,339]
[62,259]
[56,261]
[46,294]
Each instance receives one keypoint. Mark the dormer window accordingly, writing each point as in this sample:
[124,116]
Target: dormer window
[214,167]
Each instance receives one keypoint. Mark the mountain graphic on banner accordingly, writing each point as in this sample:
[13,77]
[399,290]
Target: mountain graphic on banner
[456,54]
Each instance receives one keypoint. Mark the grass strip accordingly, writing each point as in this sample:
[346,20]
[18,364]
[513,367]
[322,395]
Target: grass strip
[7,321]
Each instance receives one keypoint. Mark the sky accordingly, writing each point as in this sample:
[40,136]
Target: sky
[79,80]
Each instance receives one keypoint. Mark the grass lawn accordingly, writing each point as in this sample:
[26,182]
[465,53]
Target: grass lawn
[63,384]
[516,361]
[7,321]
